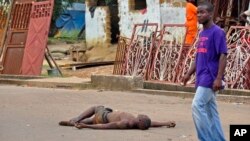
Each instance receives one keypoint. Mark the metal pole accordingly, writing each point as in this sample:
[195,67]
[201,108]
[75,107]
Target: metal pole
[53,61]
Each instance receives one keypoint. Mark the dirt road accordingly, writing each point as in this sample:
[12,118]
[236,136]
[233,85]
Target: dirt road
[32,114]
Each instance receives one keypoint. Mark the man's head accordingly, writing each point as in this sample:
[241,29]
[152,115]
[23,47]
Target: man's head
[144,122]
[205,12]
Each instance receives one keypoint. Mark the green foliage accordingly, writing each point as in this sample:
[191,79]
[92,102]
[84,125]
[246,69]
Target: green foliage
[108,1]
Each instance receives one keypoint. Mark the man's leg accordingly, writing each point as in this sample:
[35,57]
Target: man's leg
[86,114]
[200,114]
[216,124]
[87,121]
[84,121]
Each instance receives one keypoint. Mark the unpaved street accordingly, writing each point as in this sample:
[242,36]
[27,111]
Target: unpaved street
[32,114]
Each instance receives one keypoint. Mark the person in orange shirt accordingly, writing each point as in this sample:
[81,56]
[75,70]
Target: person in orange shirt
[191,22]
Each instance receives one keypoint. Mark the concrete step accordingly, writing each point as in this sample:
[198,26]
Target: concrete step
[221,97]
[66,83]
[174,87]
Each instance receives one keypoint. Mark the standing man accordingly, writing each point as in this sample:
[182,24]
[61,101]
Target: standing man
[209,65]
[191,22]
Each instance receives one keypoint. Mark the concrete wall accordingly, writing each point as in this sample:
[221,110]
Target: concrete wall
[158,11]
[129,17]
[173,12]
[98,27]
[248,17]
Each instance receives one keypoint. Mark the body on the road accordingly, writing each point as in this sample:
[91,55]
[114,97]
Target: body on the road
[99,117]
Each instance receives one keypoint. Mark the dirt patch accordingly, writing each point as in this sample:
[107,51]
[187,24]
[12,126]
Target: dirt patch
[87,72]
[96,54]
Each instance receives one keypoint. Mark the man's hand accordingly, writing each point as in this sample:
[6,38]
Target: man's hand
[80,125]
[185,79]
[217,85]
[189,73]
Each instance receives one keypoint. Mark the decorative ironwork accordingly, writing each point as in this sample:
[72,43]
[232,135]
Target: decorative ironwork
[120,59]
[226,12]
[167,56]
[237,71]
[37,37]
[188,55]
[16,37]
[138,57]
[27,37]
[21,16]
[4,12]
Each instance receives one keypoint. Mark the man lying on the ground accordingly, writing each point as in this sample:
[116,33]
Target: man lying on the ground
[106,118]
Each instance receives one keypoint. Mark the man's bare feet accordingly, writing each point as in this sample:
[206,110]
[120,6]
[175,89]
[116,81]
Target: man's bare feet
[171,124]
[66,123]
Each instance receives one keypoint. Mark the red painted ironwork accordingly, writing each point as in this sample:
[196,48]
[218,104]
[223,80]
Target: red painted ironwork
[226,12]
[120,59]
[36,42]
[188,56]
[4,11]
[16,37]
[138,57]
[237,71]
[27,37]
[168,53]
[4,14]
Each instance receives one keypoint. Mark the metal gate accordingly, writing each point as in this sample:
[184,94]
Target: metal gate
[4,12]
[226,12]
[36,42]
[168,53]
[27,35]
[139,53]
[120,59]
[16,37]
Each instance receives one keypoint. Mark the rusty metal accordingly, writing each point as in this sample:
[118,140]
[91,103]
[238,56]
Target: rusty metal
[237,71]
[188,56]
[36,42]
[49,56]
[120,58]
[138,56]
[168,53]
[226,12]
[19,56]
[4,16]
[16,38]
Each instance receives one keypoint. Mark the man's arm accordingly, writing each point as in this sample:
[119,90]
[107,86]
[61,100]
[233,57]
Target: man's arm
[111,125]
[160,124]
[222,66]
[190,72]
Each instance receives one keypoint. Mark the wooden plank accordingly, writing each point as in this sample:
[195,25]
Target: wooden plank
[86,65]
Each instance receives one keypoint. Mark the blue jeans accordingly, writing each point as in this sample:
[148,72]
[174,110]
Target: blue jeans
[205,115]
